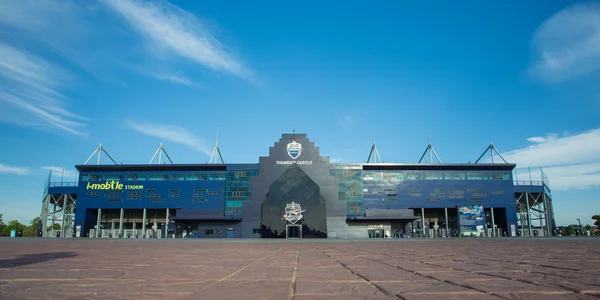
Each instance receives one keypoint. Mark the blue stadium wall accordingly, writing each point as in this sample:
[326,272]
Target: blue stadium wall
[223,194]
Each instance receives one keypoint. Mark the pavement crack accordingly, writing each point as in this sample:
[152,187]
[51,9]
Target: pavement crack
[366,280]
[294,276]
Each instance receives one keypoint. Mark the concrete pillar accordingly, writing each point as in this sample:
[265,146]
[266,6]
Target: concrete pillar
[166,223]
[447,226]
[493,222]
[98,221]
[121,232]
[45,216]
[144,224]
[423,220]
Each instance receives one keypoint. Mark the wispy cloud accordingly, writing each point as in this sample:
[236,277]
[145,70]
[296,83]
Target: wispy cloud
[108,37]
[13,170]
[172,133]
[32,85]
[171,29]
[570,162]
[568,43]
[58,172]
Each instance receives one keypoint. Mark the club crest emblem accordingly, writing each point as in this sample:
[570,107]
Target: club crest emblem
[294,149]
[293,213]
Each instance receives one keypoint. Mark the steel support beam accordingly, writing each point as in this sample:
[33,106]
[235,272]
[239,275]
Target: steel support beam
[528,214]
[166,223]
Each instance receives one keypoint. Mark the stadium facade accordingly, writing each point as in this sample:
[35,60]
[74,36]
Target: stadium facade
[297,193]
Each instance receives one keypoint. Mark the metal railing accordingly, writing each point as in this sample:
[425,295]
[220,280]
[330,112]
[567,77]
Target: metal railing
[528,182]
[63,184]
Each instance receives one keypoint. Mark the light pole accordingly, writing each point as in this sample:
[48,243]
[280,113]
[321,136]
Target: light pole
[579,226]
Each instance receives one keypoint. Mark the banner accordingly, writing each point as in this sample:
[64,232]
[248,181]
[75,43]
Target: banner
[471,220]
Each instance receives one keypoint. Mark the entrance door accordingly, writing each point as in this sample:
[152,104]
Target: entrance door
[230,233]
[293,231]
[376,233]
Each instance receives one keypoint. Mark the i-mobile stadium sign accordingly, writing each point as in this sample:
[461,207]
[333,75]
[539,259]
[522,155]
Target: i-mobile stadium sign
[112,185]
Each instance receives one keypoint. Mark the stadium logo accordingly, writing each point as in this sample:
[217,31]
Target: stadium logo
[293,213]
[294,149]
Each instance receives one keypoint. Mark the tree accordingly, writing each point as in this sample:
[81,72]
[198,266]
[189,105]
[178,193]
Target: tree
[569,230]
[596,217]
[2,225]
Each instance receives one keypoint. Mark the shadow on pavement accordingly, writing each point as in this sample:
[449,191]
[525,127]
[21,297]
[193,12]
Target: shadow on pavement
[29,259]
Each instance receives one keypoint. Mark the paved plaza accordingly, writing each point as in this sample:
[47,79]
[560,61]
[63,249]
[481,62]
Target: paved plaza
[471,268]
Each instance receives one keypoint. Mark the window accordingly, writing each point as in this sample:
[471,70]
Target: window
[475,190]
[111,196]
[116,191]
[134,193]
[256,231]
[475,199]
[232,210]
[454,176]
[135,177]
[157,200]
[479,194]
[433,176]
[439,190]
[115,200]
[152,195]
[436,194]
[456,197]
[212,193]
[198,199]
[500,176]
[150,191]
[173,191]
[115,177]
[134,198]
[456,192]
[413,175]
[215,176]
[90,177]
[174,195]
[200,190]
[497,192]
[389,199]
[390,176]
[93,193]
[432,199]
[478,176]
[212,232]
[415,194]
[415,190]
[354,208]
[158,177]
[177,177]
[196,177]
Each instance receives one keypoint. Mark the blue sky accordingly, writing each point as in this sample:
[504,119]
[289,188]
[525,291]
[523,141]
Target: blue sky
[132,74]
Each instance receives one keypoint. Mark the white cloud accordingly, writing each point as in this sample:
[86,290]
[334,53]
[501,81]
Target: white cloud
[169,28]
[107,37]
[175,78]
[568,43]
[335,160]
[13,170]
[570,162]
[175,134]
[58,172]
[32,85]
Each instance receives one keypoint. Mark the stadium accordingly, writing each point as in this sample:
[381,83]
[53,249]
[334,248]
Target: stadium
[297,193]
